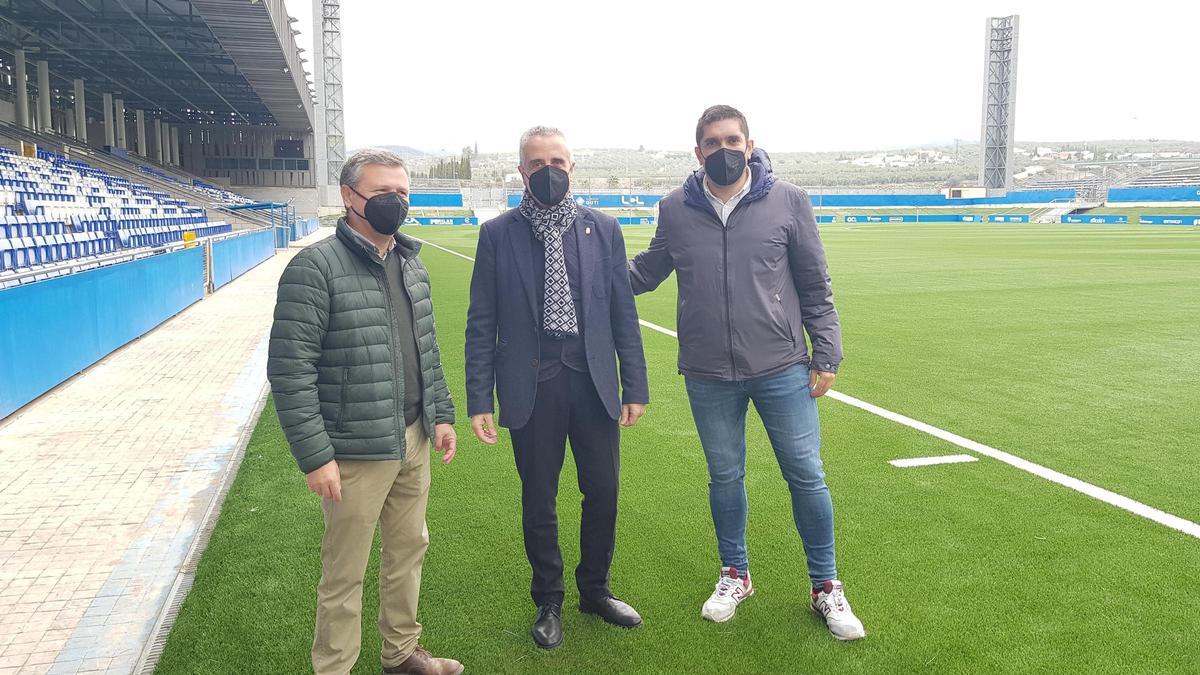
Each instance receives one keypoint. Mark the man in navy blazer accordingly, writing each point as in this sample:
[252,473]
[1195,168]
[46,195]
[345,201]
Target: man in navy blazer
[552,312]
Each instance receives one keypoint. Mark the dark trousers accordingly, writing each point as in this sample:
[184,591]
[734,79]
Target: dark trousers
[567,406]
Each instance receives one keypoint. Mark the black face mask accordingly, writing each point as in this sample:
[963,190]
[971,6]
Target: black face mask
[549,185]
[385,212]
[725,166]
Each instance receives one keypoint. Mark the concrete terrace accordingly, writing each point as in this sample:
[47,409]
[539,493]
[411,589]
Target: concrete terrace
[109,478]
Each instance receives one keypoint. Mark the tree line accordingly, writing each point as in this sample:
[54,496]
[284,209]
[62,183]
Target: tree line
[452,167]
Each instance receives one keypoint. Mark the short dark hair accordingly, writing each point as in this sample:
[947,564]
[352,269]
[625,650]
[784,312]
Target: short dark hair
[353,166]
[717,113]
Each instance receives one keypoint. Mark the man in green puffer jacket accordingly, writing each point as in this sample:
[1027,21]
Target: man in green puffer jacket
[357,377]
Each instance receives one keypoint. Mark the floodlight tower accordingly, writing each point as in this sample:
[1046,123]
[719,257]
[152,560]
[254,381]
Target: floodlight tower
[999,104]
[327,80]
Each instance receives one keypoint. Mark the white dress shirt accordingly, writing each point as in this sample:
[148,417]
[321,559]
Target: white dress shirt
[723,209]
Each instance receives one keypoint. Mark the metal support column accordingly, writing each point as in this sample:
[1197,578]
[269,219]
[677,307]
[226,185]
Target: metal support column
[999,104]
[120,121]
[22,90]
[110,138]
[329,124]
[159,127]
[44,95]
[141,133]
[80,112]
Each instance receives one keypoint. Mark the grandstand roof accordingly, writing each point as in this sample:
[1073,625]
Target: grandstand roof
[196,61]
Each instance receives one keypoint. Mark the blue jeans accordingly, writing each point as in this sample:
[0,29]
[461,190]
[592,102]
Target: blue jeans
[789,414]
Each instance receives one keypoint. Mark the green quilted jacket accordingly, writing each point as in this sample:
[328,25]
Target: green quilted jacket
[337,378]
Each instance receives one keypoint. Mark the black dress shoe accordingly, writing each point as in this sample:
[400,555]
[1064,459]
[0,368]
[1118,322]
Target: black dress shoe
[612,610]
[547,626]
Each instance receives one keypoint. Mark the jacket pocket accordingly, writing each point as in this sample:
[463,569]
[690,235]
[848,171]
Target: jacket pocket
[341,416]
[781,318]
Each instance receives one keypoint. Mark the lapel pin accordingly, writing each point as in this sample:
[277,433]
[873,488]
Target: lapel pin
[587,230]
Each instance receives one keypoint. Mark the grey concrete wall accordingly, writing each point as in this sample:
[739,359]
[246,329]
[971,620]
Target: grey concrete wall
[304,199]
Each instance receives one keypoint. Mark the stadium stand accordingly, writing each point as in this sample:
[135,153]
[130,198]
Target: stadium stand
[172,181]
[1082,186]
[628,209]
[156,152]
[1181,176]
[1126,179]
[57,210]
[202,189]
[439,201]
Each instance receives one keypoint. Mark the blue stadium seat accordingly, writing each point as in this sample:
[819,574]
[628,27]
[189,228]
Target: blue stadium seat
[8,254]
[56,209]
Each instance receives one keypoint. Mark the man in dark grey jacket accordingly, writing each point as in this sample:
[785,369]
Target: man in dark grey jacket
[752,280]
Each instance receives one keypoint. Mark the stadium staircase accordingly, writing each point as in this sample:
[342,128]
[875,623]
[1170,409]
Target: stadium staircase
[1126,175]
[1063,207]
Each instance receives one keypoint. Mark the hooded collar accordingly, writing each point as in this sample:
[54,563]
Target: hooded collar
[761,180]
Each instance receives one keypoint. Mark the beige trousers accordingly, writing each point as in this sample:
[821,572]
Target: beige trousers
[392,494]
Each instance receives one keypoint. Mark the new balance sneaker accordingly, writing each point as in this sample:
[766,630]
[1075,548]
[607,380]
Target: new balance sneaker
[731,589]
[830,603]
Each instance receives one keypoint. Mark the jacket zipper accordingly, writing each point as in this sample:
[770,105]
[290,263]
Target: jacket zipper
[397,402]
[725,276]
[728,309]
[728,305]
[340,425]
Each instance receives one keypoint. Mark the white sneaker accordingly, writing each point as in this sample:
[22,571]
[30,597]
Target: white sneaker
[730,591]
[830,603]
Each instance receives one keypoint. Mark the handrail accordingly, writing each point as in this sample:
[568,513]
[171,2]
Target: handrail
[248,216]
[236,233]
[72,266]
[129,255]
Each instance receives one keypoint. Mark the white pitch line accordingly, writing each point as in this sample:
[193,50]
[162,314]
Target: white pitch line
[664,331]
[1094,491]
[930,461]
[443,248]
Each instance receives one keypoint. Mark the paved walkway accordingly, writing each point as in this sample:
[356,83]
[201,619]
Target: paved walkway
[106,481]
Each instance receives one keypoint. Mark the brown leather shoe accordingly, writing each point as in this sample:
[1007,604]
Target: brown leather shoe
[423,663]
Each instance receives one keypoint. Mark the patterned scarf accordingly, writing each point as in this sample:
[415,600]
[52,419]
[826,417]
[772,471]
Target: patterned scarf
[549,225]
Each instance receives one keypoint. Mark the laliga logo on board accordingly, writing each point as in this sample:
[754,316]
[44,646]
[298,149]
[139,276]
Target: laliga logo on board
[632,200]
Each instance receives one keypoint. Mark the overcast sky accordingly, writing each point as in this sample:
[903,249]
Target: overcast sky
[867,74]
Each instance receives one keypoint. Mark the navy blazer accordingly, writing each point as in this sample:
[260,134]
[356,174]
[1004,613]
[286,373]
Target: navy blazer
[504,324]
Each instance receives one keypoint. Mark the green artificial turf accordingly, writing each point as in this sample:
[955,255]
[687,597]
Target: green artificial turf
[1071,346]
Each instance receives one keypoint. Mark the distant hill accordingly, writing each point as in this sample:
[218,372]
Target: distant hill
[405,151]
[926,168]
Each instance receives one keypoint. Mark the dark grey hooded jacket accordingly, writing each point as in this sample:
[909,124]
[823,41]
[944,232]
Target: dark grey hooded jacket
[746,290]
